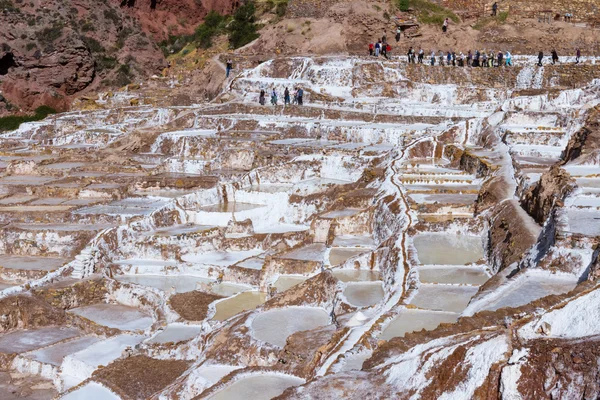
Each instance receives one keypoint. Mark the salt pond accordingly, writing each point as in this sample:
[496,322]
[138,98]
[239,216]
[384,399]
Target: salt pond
[452,298]
[115,316]
[364,294]
[274,326]
[257,387]
[448,249]
[234,305]
[415,320]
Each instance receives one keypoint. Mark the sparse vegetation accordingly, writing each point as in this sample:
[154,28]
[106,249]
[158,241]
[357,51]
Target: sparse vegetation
[483,22]
[93,45]
[428,12]
[214,24]
[14,121]
[403,5]
[50,34]
[242,29]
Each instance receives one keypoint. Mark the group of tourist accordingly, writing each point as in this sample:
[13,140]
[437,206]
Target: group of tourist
[298,95]
[451,58]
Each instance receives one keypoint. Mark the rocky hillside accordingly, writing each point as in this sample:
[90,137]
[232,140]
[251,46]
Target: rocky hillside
[52,50]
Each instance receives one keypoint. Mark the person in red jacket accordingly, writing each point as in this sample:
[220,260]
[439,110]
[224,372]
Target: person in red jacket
[371,46]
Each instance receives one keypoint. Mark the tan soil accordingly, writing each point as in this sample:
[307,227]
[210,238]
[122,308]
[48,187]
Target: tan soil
[139,377]
[192,306]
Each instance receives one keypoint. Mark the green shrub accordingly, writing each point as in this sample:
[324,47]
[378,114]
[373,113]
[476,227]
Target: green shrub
[105,63]
[214,23]
[429,12]
[281,9]
[242,29]
[30,46]
[50,34]
[112,15]
[93,45]
[403,5]
[13,122]
[502,16]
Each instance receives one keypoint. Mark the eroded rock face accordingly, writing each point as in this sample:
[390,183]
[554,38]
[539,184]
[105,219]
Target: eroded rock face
[511,234]
[172,17]
[585,143]
[552,188]
[51,51]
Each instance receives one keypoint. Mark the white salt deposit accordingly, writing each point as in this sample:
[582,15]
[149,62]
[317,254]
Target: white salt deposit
[274,326]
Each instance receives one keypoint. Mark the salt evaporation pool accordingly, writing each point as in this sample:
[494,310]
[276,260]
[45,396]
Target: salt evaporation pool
[364,294]
[227,289]
[220,258]
[356,275]
[284,282]
[115,316]
[448,249]
[26,340]
[415,320]
[257,387]
[452,298]
[312,252]
[230,207]
[274,326]
[530,287]
[340,255]
[452,275]
[91,391]
[234,305]
[175,333]
[55,354]
[170,283]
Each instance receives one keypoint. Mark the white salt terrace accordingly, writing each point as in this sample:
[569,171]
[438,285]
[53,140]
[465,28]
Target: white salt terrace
[166,283]
[32,263]
[89,391]
[364,294]
[230,207]
[409,320]
[354,241]
[115,316]
[348,212]
[338,256]
[175,333]
[252,263]
[356,275]
[55,354]
[257,387]
[80,366]
[528,287]
[285,282]
[180,230]
[130,206]
[460,199]
[228,289]
[311,252]
[274,326]
[448,249]
[580,221]
[244,301]
[220,258]
[21,341]
[452,274]
[453,298]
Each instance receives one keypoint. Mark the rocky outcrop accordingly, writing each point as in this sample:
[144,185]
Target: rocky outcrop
[512,233]
[51,51]
[550,191]
[585,143]
[171,17]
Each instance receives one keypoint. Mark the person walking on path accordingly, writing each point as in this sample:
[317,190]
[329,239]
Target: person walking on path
[508,59]
[500,58]
[540,58]
[377,48]
[577,56]
[448,58]
[461,59]
[421,56]
[299,95]
[384,39]
[441,58]
[484,60]
[398,32]
[432,58]
[494,9]
[229,67]
[274,97]
[261,98]
[410,54]
[371,48]
[384,49]
[554,57]
[286,97]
